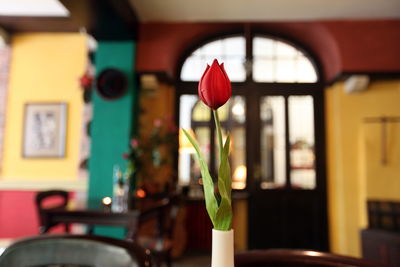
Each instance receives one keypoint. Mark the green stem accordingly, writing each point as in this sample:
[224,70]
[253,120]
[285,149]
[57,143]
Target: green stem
[218,127]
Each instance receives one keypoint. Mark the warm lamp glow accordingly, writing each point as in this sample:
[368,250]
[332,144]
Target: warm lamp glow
[238,109]
[239,177]
[313,253]
[184,144]
[106,201]
[140,193]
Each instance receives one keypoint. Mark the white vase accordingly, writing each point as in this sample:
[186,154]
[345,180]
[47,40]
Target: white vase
[222,249]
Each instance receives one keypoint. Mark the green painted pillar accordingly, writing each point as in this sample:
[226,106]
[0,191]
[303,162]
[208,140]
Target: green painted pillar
[112,125]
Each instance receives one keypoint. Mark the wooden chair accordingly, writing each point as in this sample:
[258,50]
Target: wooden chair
[297,258]
[160,245]
[75,250]
[62,198]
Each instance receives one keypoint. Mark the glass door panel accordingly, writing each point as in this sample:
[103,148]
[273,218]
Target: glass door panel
[194,117]
[301,138]
[233,118]
[273,151]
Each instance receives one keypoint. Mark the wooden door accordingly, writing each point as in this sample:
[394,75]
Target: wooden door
[286,182]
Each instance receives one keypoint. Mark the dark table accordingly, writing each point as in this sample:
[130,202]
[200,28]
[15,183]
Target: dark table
[130,220]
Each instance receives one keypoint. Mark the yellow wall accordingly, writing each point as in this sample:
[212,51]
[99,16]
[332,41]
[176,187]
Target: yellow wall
[355,170]
[45,67]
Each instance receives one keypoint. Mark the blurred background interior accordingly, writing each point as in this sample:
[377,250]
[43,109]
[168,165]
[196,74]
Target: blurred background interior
[93,94]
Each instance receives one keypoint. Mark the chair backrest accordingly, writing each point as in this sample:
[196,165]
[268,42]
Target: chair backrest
[165,212]
[62,198]
[169,214]
[76,250]
[43,195]
[297,258]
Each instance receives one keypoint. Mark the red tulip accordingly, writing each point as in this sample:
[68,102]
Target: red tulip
[214,86]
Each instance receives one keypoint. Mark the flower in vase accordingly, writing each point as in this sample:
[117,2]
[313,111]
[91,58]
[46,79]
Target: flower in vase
[215,90]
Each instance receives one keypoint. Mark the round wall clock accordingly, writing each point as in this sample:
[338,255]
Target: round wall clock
[111,84]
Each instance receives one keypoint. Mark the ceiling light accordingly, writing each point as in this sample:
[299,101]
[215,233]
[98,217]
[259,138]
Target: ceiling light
[33,8]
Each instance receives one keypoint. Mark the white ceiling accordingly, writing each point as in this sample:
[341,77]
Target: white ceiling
[263,10]
[36,8]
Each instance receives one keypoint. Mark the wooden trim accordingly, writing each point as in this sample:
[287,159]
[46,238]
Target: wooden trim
[124,10]
[162,77]
[104,19]
[388,75]
[320,167]
[38,24]
[288,182]
[113,20]
[19,184]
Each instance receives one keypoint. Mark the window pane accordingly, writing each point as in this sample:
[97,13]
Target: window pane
[263,47]
[203,138]
[238,109]
[234,123]
[213,49]
[201,112]
[223,112]
[191,69]
[285,70]
[238,157]
[306,72]
[273,159]
[234,67]
[189,169]
[186,104]
[301,138]
[276,61]
[235,46]
[263,70]
[284,50]
[229,50]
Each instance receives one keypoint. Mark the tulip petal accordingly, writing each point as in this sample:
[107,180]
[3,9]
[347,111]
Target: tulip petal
[214,87]
[200,91]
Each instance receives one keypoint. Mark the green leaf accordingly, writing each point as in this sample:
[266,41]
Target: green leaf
[226,167]
[208,184]
[220,211]
[224,213]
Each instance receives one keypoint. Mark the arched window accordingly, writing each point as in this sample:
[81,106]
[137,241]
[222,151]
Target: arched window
[272,61]
[230,50]
[276,61]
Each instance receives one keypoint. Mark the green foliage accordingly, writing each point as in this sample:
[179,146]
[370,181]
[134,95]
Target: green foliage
[147,155]
[218,205]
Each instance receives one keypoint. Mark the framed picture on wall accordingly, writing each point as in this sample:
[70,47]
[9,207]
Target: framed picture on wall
[44,130]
